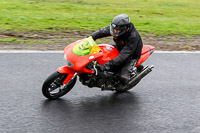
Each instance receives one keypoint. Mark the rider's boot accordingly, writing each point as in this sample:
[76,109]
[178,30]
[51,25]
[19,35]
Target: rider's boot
[128,72]
[140,68]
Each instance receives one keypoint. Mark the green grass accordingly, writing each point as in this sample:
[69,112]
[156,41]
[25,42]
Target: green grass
[27,41]
[151,17]
[9,40]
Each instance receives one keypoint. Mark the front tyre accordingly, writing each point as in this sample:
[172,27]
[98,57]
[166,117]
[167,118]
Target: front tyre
[53,87]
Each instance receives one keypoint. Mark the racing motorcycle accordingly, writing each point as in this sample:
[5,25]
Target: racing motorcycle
[82,58]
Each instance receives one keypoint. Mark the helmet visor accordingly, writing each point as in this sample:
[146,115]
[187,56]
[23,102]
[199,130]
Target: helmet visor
[116,30]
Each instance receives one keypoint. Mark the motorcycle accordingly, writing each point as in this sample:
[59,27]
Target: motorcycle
[82,58]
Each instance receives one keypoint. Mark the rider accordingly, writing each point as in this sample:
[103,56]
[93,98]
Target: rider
[127,41]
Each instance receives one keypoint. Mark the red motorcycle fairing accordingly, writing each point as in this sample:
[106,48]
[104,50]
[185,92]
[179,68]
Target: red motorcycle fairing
[108,52]
[66,70]
[79,62]
[147,50]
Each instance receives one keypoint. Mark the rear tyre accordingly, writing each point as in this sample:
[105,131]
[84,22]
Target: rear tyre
[53,87]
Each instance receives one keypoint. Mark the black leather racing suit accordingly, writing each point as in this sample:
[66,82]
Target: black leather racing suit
[129,45]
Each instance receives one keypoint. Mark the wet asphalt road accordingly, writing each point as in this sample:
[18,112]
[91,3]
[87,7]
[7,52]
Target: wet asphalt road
[165,101]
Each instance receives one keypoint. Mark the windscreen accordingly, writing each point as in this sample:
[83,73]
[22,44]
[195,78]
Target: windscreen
[86,47]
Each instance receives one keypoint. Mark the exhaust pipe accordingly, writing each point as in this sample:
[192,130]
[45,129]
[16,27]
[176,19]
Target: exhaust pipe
[141,75]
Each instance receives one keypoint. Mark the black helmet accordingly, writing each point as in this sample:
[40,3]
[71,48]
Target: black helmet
[120,23]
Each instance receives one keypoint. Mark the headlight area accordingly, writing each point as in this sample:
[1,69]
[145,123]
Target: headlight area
[69,64]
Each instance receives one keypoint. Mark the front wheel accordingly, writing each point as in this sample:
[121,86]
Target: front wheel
[53,87]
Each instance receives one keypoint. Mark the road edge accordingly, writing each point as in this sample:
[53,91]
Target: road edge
[38,51]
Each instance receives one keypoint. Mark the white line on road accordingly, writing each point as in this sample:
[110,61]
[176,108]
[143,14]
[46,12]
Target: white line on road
[178,52]
[37,51]
[29,51]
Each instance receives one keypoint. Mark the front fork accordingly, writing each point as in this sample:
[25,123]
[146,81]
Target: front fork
[94,66]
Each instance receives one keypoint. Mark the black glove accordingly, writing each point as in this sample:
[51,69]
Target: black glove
[92,37]
[104,67]
[101,68]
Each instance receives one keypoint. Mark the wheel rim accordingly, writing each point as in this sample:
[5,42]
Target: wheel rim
[57,86]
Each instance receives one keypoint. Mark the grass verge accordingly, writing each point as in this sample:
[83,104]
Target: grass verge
[151,17]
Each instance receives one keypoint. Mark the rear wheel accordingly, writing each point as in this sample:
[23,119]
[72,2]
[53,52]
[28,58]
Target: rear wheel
[53,87]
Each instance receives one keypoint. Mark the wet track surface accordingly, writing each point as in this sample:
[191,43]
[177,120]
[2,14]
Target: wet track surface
[165,101]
